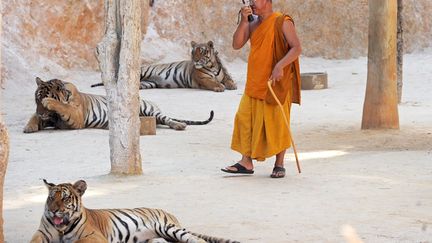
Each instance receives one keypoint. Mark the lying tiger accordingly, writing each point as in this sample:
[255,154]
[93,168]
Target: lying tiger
[65,220]
[204,71]
[60,105]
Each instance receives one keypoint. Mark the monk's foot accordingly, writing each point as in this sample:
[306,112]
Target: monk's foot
[241,167]
[278,172]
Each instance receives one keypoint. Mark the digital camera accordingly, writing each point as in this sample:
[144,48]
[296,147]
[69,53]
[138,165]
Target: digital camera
[248,4]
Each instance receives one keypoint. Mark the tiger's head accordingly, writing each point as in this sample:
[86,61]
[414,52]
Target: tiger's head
[203,54]
[53,88]
[63,206]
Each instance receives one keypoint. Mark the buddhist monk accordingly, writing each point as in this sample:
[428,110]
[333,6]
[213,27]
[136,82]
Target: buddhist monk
[260,131]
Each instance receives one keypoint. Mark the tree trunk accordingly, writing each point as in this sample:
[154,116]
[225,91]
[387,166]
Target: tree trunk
[380,108]
[4,155]
[4,152]
[118,56]
[400,50]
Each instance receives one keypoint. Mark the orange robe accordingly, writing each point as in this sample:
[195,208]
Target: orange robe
[259,128]
[260,61]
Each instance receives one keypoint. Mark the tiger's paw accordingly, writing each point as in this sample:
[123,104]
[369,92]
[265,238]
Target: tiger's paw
[29,128]
[158,240]
[230,85]
[178,125]
[49,103]
[220,88]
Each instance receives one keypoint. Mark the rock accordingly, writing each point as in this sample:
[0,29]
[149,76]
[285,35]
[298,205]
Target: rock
[45,36]
[313,81]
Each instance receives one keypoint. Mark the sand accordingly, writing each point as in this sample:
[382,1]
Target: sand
[377,182]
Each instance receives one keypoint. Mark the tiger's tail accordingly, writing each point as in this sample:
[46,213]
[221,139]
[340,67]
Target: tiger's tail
[96,85]
[211,239]
[196,122]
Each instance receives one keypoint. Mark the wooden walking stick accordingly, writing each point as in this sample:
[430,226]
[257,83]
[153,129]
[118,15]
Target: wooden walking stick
[269,84]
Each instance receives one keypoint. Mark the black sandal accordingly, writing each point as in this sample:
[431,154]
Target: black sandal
[240,169]
[278,172]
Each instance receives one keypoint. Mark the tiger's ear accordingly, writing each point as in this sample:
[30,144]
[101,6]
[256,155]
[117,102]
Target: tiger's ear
[193,44]
[210,44]
[39,81]
[80,186]
[48,185]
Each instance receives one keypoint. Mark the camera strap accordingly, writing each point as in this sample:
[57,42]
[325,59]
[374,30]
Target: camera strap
[238,17]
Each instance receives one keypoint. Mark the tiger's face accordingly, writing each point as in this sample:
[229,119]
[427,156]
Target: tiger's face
[63,205]
[202,54]
[53,88]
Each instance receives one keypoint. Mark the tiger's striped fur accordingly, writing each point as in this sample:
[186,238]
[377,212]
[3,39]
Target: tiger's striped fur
[62,106]
[66,220]
[204,71]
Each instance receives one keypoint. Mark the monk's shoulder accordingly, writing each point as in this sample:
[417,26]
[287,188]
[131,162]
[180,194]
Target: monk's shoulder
[287,18]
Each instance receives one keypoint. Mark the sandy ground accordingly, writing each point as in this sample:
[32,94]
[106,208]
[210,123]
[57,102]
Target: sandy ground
[378,182]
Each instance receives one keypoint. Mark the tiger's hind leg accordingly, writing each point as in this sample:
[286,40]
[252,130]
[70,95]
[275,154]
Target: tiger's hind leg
[175,124]
[177,234]
[165,120]
[157,240]
[147,84]
[214,239]
[148,108]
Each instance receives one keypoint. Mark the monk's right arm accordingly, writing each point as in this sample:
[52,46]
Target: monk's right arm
[241,35]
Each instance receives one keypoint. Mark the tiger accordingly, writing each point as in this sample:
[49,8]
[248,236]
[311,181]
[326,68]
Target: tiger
[65,220]
[204,71]
[60,105]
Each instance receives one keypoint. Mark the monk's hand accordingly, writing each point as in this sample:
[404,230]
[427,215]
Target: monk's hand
[245,12]
[276,75]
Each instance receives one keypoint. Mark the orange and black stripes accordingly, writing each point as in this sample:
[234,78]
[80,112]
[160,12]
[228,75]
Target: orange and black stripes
[204,71]
[112,225]
[71,109]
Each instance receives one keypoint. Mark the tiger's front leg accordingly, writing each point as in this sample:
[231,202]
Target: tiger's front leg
[32,124]
[211,84]
[93,239]
[68,113]
[38,237]
[230,84]
[54,105]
